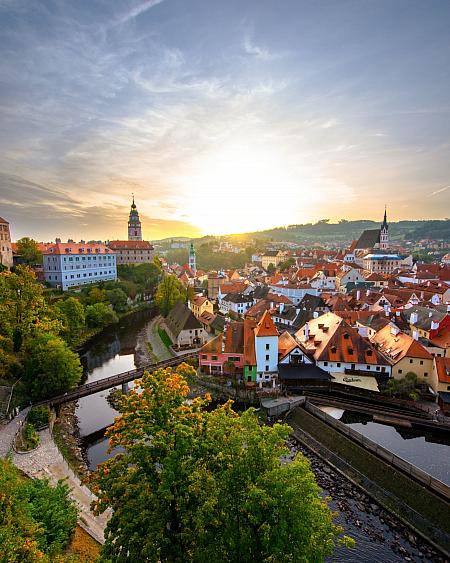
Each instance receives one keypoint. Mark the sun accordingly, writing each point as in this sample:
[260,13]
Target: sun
[242,187]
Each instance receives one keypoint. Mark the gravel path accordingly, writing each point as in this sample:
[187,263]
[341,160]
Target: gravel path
[9,430]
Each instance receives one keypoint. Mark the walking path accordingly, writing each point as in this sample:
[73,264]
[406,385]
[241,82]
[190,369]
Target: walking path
[47,462]
[9,430]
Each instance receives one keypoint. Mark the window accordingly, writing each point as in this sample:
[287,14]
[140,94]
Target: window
[400,371]
[267,357]
[214,358]
[368,367]
[204,356]
[325,363]
[425,374]
[338,365]
[267,368]
[410,361]
[267,346]
[421,362]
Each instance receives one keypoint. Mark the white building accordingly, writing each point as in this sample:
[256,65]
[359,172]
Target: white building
[6,255]
[266,349]
[295,292]
[72,264]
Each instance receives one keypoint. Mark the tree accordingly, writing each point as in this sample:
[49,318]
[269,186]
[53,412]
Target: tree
[405,388]
[270,269]
[22,306]
[286,264]
[169,291]
[100,315]
[205,486]
[71,313]
[96,295]
[55,512]
[50,367]
[36,519]
[118,299]
[28,250]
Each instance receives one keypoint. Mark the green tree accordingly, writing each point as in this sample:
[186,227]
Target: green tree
[50,367]
[22,306]
[36,519]
[71,312]
[169,291]
[55,512]
[96,295]
[29,251]
[286,264]
[404,388]
[100,315]
[205,486]
[118,299]
[270,269]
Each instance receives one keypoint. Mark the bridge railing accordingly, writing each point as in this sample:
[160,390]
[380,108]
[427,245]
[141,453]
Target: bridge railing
[113,380]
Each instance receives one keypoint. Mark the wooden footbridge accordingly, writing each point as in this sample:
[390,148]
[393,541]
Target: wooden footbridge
[113,381]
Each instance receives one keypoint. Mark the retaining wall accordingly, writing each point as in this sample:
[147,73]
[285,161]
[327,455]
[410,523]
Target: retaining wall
[410,469]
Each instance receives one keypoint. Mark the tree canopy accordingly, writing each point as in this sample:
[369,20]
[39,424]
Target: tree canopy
[169,291]
[205,486]
[36,519]
[28,250]
[50,367]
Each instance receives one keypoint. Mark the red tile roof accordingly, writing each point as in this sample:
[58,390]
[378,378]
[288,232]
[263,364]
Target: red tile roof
[130,244]
[443,369]
[77,248]
[266,327]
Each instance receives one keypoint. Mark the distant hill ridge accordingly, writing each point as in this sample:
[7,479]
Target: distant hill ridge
[324,231]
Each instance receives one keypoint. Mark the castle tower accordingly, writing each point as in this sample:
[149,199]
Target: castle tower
[134,224]
[192,259]
[384,233]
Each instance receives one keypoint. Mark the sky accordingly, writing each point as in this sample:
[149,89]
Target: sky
[221,116]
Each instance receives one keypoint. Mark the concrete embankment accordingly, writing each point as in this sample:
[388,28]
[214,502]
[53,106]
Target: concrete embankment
[412,503]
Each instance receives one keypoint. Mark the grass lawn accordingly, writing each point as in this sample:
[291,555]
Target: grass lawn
[165,338]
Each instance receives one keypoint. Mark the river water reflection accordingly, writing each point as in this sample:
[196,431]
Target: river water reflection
[110,353]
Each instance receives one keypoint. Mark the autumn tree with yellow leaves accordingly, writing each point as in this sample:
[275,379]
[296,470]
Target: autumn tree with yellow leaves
[199,486]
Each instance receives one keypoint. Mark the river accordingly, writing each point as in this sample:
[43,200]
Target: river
[113,352]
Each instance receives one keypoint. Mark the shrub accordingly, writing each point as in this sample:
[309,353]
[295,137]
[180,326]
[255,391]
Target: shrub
[39,416]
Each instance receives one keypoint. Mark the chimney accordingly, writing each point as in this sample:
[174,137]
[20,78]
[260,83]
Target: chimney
[415,335]
[358,295]
[281,307]
[434,325]
[413,318]
[306,330]
[367,292]
[397,313]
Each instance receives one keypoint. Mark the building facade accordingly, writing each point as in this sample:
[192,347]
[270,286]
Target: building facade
[6,255]
[68,265]
[131,251]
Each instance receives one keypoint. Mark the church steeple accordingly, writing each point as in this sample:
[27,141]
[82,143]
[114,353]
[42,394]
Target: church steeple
[134,224]
[192,259]
[384,232]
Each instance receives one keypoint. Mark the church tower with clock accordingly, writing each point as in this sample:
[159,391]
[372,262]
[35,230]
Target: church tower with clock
[134,224]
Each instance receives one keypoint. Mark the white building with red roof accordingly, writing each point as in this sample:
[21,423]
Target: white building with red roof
[71,264]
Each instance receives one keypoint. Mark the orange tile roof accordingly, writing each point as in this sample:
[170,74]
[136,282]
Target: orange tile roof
[77,248]
[249,343]
[397,346]
[330,338]
[442,369]
[266,327]
[130,244]
[286,343]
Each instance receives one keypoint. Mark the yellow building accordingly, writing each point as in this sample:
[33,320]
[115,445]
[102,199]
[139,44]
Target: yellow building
[272,257]
[406,353]
[200,304]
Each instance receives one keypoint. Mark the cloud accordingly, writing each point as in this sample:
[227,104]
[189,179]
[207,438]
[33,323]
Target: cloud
[137,11]
[261,53]
[441,190]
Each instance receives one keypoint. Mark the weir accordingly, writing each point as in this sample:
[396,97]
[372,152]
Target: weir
[422,505]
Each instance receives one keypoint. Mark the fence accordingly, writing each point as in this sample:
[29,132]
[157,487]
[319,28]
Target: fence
[399,463]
